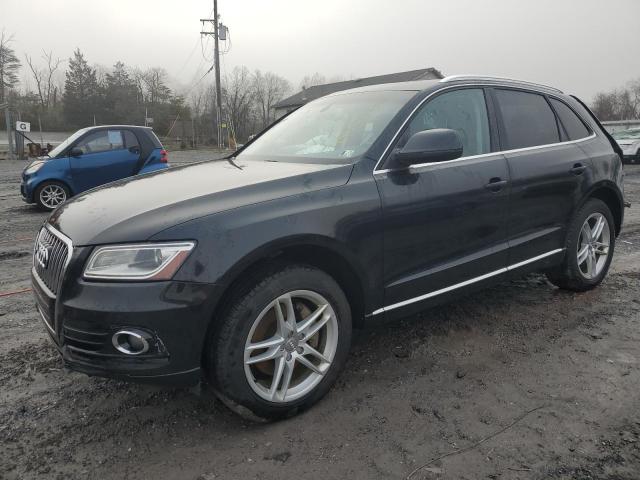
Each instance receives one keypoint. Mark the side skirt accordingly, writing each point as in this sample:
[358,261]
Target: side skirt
[471,281]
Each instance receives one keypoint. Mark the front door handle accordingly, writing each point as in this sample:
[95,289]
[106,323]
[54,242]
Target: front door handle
[495,184]
[578,168]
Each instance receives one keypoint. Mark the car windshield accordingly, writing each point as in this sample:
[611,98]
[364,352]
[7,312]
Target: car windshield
[627,134]
[334,129]
[60,148]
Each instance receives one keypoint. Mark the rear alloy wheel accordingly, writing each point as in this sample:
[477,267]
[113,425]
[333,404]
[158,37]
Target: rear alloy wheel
[593,245]
[51,194]
[589,248]
[281,344]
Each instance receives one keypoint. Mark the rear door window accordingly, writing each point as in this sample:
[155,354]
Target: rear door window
[573,126]
[528,119]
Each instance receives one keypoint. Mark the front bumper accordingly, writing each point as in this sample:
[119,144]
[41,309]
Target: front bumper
[82,320]
[26,191]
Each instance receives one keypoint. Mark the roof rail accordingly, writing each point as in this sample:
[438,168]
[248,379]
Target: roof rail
[452,78]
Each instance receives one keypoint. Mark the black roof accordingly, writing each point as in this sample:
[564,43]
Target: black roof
[318,91]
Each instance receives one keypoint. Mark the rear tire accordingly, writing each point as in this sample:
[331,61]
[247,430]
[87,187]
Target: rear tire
[302,317]
[51,194]
[589,248]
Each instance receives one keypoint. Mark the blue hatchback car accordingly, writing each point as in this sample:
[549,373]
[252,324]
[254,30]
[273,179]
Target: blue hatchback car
[89,158]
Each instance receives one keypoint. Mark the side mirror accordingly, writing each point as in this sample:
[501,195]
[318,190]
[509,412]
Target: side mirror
[437,145]
[75,152]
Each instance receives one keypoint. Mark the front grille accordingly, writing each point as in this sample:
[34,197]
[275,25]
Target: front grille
[51,253]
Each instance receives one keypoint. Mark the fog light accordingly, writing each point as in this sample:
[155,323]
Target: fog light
[130,342]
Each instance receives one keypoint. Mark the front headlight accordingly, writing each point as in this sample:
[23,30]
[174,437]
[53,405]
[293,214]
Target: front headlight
[33,168]
[137,262]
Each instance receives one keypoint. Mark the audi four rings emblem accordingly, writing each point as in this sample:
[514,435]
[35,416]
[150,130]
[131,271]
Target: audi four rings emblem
[42,254]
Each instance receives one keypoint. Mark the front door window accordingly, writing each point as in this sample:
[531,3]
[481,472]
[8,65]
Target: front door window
[464,111]
[101,141]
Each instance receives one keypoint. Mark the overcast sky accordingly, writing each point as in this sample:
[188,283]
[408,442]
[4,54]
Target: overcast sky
[581,46]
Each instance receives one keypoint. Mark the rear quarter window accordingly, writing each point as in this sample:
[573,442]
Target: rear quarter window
[154,139]
[528,119]
[130,140]
[573,125]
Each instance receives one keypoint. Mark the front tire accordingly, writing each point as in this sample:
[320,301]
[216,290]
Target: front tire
[588,250]
[51,194]
[282,342]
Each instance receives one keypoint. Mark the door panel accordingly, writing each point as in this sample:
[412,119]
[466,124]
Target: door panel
[445,223]
[546,187]
[104,160]
[548,173]
[442,225]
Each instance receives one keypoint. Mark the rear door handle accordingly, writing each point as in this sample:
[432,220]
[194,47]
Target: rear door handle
[495,184]
[578,168]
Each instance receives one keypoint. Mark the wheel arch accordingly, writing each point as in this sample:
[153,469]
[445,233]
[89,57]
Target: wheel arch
[610,194]
[317,251]
[52,180]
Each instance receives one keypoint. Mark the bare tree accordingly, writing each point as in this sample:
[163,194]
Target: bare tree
[604,106]
[634,87]
[198,103]
[238,101]
[621,104]
[312,80]
[9,65]
[155,82]
[268,90]
[44,78]
[139,79]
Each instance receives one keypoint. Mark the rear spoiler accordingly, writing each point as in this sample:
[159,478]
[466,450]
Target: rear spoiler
[613,143]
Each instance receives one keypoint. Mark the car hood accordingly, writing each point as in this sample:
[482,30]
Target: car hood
[134,209]
[626,143]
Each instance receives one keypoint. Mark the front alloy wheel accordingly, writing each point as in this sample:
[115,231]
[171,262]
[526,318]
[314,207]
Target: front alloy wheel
[281,341]
[290,346]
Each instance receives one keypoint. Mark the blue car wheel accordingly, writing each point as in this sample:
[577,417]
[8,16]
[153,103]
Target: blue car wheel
[51,194]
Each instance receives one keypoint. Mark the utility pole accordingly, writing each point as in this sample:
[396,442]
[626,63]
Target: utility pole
[216,35]
[7,116]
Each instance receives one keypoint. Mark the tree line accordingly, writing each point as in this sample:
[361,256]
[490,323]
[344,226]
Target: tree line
[123,94]
[619,104]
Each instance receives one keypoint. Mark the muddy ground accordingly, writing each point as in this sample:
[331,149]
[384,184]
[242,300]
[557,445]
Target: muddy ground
[522,381]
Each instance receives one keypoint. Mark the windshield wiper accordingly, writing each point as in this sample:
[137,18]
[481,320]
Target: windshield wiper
[230,160]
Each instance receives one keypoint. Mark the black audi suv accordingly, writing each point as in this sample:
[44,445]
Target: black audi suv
[365,205]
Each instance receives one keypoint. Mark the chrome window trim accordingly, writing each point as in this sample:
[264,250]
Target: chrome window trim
[503,152]
[465,283]
[491,154]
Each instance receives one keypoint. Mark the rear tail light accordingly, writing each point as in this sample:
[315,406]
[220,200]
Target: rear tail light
[164,156]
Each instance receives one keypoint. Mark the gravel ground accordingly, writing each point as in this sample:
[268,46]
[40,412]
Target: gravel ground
[522,381]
